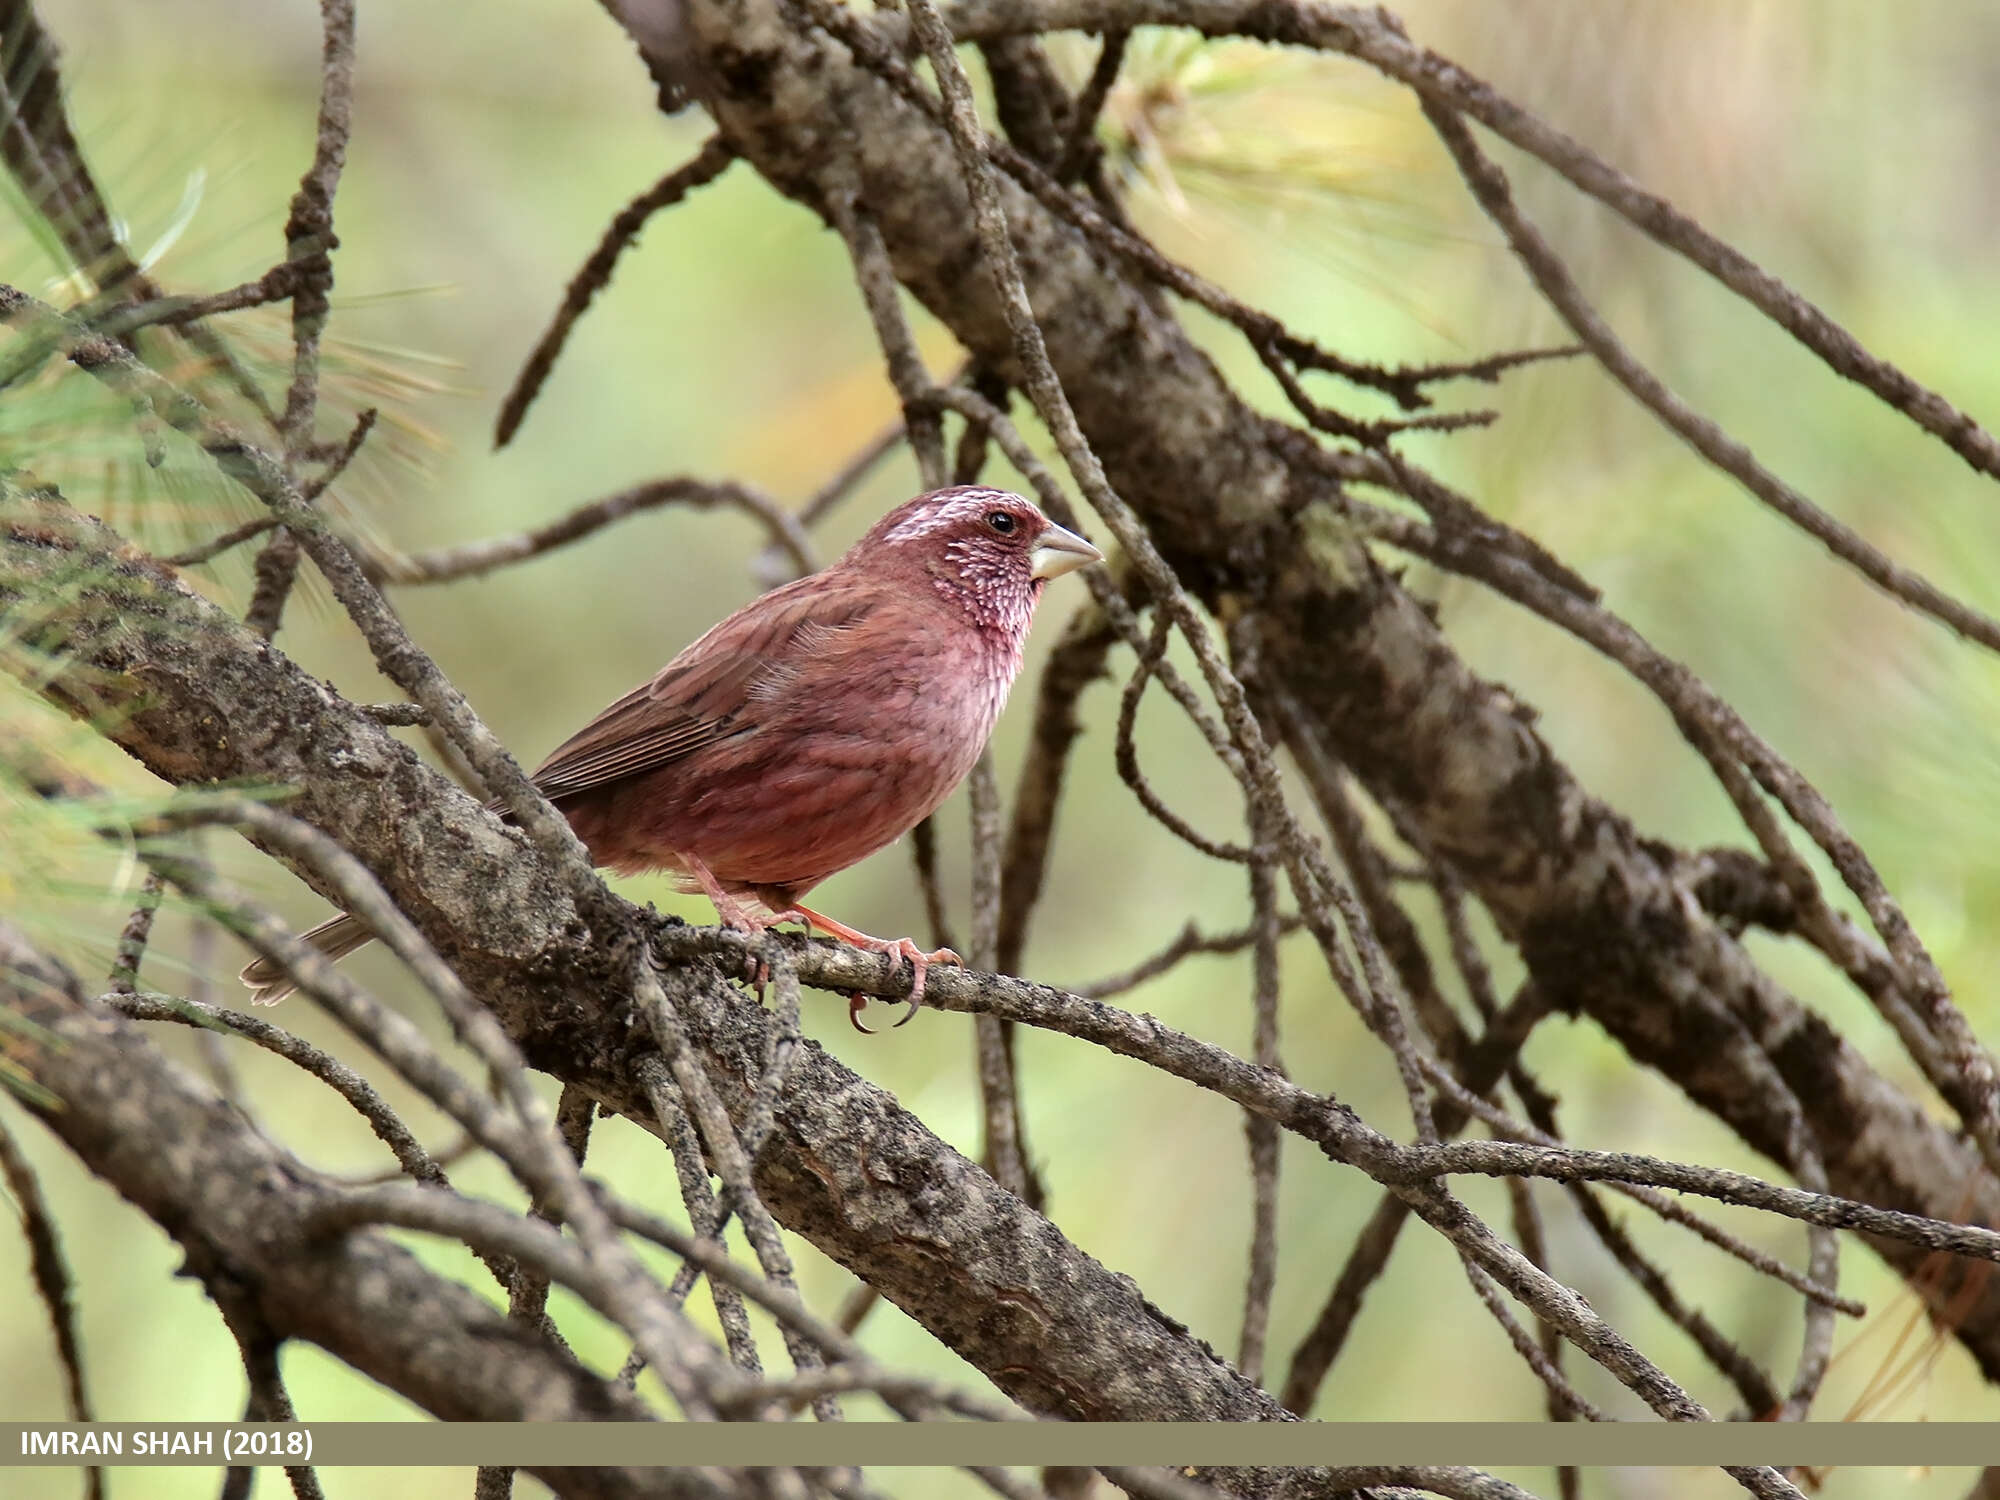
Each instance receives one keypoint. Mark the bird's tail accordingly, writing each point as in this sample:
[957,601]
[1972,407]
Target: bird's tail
[336,938]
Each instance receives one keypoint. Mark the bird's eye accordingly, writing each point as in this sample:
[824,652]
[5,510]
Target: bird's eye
[1001,522]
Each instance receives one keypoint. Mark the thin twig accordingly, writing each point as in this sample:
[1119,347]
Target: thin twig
[528,1297]
[467,559]
[275,285]
[1480,1066]
[1187,942]
[924,854]
[708,164]
[1076,662]
[704,1215]
[1125,753]
[1082,143]
[309,242]
[411,1157]
[343,456]
[267,1399]
[781,1046]
[881,292]
[53,1284]
[138,930]
[1262,1278]
[1323,1342]
[1003,1144]
[725,1151]
[773,566]
[216,545]
[1564,1398]
[1760,1397]
[1528,1234]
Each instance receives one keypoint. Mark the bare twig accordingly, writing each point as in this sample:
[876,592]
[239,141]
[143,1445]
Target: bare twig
[1187,942]
[528,1297]
[850,474]
[309,242]
[343,456]
[1003,1145]
[1082,143]
[337,1075]
[725,1150]
[882,294]
[1527,1221]
[1126,754]
[53,1284]
[778,1053]
[1760,1398]
[216,545]
[1324,1341]
[267,1399]
[1564,1399]
[1262,1279]
[708,164]
[275,285]
[704,1215]
[470,558]
[923,853]
[1076,662]
[138,930]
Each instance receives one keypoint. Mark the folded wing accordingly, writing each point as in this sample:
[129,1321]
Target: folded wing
[719,687]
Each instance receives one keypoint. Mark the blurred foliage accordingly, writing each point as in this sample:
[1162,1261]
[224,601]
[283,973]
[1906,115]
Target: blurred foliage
[1844,145]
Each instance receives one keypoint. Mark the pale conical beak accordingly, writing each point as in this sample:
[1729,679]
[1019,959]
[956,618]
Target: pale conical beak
[1057,552]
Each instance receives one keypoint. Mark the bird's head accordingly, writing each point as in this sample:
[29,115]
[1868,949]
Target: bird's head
[989,551]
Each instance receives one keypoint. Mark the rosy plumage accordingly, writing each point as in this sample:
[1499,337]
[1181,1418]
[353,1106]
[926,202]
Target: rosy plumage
[815,725]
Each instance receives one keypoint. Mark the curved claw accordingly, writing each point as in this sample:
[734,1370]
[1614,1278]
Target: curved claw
[920,963]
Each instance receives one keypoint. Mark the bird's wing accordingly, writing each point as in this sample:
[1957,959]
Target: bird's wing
[716,688]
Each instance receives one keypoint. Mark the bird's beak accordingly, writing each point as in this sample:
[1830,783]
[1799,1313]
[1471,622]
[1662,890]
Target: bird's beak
[1057,552]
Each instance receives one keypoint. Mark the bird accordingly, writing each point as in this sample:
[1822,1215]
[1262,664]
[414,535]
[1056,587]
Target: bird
[816,725]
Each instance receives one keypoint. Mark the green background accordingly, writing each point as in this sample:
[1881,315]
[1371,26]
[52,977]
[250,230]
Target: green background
[1846,146]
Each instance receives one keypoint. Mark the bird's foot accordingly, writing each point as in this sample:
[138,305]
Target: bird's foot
[920,963]
[902,948]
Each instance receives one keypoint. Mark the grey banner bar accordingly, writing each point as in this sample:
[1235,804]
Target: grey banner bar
[877,1444]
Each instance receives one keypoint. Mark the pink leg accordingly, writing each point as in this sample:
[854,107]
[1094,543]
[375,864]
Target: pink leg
[920,961]
[732,913]
[727,906]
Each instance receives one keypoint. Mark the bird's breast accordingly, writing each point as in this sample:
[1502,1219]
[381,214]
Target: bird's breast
[835,775]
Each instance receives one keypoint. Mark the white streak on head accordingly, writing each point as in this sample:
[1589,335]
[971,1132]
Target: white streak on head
[941,512]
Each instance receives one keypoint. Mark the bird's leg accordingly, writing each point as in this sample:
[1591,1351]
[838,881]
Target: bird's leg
[733,913]
[920,961]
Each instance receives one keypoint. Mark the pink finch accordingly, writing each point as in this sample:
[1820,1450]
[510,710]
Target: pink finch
[815,725]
